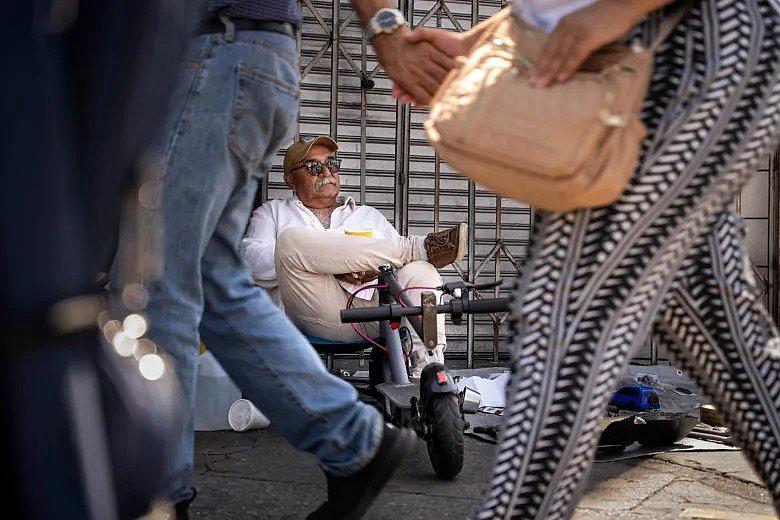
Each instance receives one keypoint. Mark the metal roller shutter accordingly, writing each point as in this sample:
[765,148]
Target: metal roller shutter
[388,164]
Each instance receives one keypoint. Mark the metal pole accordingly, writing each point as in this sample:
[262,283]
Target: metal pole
[774,236]
[653,350]
[437,169]
[392,338]
[400,139]
[334,70]
[496,277]
[406,173]
[395,354]
[363,118]
[299,43]
[436,191]
[401,150]
[470,271]
[472,234]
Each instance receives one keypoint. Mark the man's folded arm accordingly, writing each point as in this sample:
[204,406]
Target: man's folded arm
[386,229]
[259,244]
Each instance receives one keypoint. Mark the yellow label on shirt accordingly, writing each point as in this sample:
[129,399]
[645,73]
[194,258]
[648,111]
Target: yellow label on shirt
[355,232]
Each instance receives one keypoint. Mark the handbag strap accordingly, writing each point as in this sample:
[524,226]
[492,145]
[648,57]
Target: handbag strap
[668,24]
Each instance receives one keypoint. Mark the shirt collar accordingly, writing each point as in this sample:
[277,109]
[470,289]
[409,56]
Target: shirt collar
[346,200]
[341,201]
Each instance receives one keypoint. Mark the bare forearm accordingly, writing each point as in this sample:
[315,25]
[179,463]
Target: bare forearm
[367,8]
[639,9]
[473,35]
[645,7]
[642,8]
[418,69]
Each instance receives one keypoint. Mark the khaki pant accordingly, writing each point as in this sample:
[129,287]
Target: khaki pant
[306,260]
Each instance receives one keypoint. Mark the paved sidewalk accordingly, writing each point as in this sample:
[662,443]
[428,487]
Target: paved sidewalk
[258,475]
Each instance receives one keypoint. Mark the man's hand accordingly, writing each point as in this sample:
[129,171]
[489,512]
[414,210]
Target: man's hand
[451,43]
[582,32]
[358,278]
[417,68]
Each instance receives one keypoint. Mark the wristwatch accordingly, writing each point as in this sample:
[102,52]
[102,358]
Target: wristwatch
[385,21]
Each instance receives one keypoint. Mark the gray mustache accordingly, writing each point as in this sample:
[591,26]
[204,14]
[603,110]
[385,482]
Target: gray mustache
[322,181]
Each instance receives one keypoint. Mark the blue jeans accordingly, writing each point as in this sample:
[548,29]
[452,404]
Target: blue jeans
[235,106]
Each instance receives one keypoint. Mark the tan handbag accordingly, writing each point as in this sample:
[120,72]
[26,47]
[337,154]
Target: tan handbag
[560,148]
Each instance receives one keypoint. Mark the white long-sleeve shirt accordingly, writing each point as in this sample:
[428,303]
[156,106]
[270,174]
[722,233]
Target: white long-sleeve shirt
[275,216]
[545,14]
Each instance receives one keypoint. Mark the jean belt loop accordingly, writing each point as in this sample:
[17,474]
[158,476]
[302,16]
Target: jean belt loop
[230,28]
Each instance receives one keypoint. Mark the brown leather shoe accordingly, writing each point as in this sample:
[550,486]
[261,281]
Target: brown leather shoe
[448,246]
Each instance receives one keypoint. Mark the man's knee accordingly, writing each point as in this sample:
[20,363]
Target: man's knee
[289,243]
[421,272]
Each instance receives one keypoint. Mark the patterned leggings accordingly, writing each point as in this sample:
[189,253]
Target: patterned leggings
[668,255]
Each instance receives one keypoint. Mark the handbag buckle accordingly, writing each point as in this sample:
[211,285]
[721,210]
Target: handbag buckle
[519,60]
[610,119]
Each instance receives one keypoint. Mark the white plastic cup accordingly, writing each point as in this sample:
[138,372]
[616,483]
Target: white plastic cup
[471,400]
[244,416]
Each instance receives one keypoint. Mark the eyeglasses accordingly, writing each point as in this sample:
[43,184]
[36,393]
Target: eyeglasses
[315,167]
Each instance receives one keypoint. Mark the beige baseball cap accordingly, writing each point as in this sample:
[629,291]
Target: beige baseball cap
[297,152]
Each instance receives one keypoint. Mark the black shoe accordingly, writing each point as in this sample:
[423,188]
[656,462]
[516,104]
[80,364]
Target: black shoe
[182,508]
[350,497]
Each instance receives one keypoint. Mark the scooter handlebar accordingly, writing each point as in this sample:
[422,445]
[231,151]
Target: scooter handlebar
[366,314]
[485,306]
[396,312]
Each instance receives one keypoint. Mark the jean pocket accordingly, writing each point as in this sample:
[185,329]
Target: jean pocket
[264,110]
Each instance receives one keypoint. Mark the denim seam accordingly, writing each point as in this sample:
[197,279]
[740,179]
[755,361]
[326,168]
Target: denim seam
[175,134]
[187,105]
[295,398]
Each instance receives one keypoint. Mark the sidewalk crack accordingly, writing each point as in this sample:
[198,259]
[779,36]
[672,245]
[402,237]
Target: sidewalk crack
[654,493]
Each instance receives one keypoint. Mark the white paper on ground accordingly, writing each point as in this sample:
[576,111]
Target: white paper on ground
[493,390]
[686,444]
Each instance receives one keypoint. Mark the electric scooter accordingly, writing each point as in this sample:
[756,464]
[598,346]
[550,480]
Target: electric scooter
[432,406]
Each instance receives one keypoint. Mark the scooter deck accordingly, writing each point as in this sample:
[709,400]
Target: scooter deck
[399,395]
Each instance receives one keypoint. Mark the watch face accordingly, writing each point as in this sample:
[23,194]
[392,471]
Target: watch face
[386,20]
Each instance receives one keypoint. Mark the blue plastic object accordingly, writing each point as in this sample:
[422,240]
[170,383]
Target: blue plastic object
[637,398]
[314,340]
[329,346]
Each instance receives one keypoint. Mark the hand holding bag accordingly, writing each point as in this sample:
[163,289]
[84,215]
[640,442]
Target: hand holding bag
[569,146]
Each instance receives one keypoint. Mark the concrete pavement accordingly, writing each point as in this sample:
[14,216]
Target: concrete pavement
[258,475]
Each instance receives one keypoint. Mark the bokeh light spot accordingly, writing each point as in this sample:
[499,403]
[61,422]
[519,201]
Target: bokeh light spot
[135,326]
[152,367]
[124,344]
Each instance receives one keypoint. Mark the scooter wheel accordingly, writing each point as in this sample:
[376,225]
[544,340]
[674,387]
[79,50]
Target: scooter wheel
[445,435]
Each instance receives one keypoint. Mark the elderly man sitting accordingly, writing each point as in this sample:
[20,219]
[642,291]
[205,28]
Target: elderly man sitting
[300,250]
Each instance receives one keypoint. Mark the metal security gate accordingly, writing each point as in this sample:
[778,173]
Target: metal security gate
[388,164]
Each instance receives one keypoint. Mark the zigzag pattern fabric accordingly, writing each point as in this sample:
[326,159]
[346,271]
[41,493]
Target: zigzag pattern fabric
[666,255]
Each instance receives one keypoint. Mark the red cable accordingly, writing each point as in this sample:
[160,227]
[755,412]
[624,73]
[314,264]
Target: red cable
[349,306]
